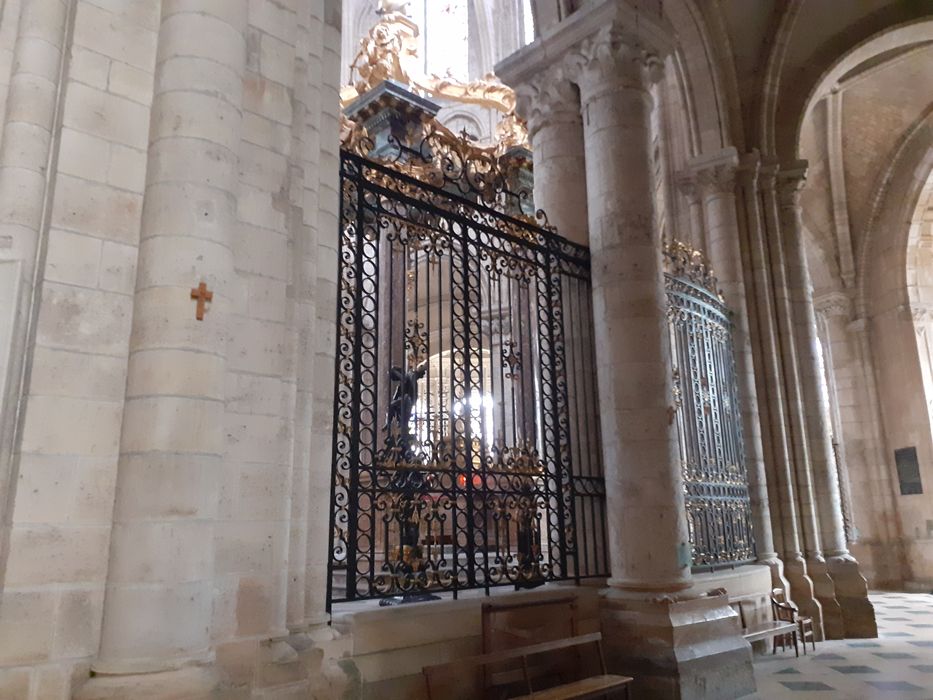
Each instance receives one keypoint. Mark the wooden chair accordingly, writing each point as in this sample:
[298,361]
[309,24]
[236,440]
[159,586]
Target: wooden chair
[787,614]
[804,622]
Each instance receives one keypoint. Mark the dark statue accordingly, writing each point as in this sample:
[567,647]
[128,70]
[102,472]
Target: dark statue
[406,559]
[403,401]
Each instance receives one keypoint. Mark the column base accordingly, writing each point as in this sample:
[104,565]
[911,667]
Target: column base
[676,649]
[802,595]
[776,567]
[858,614]
[191,683]
[825,590]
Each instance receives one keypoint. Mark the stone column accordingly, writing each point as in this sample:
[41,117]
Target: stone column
[715,176]
[648,539]
[851,590]
[158,607]
[799,447]
[775,436]
[833,314]
[551,105]
[32,116]
[687,185]
[630,310]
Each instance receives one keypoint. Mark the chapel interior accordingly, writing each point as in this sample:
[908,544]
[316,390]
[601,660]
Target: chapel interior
[466,349]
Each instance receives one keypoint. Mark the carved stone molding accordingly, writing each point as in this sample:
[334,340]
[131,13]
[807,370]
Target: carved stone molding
[833,304]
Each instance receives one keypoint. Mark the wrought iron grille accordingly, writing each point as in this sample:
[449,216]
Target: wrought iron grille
[709,421]
[466,445]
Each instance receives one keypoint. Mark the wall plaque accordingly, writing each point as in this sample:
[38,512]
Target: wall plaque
[908,471]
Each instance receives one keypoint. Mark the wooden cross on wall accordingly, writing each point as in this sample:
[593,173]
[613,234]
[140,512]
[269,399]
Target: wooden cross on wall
[202,295]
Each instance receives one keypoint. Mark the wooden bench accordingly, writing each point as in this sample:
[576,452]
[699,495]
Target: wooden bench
[591,687]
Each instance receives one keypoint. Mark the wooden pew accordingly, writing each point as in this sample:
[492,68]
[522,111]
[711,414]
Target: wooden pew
[591,687]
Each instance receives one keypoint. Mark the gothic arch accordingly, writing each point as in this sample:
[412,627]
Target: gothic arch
[801,62]
[894,353]
[709,95]
[883,258]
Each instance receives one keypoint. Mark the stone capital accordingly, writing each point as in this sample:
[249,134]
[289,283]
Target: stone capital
[834,304]
[548,99]
[687,184]
[859,325]
[643,28]
[767,176]
[790,182]
[715,173]
[613,59]
[916,312]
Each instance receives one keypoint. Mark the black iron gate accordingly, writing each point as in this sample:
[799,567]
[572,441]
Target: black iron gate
[709,420]
[466,444]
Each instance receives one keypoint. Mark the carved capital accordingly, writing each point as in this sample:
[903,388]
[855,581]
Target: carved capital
[687,184]
[790,182]
[917,312]
[767,176]
[836,304]
[715,174]
[549,98]
[613,59]
[859,325]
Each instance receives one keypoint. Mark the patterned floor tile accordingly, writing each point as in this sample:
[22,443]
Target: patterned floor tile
[893,685]
[896,665]
[806,685]
[855,669]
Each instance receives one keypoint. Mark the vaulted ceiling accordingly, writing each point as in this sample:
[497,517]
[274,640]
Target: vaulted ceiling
[851,137]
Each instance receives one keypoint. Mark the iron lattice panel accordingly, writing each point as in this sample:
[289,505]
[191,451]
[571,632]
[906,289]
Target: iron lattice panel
[709,424]
[466,443]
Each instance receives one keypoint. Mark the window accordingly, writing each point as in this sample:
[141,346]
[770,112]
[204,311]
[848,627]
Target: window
[445,36]
[528,22]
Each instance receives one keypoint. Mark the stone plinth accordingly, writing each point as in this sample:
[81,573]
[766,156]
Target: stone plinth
[858,613]
[677,649]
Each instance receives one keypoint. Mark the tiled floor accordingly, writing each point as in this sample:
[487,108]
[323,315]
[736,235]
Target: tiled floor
[899,664]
